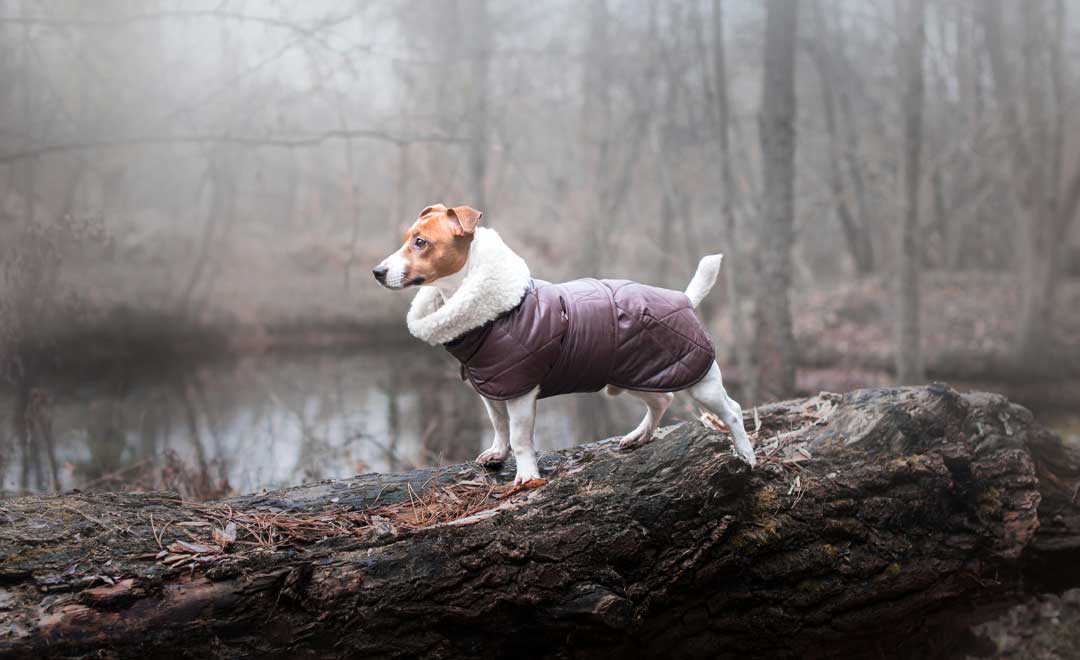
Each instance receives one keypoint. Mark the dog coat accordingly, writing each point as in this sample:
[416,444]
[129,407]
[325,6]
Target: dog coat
[512,333]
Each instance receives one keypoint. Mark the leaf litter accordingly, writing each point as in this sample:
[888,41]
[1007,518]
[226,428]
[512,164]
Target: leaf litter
[219,531]
[785,450]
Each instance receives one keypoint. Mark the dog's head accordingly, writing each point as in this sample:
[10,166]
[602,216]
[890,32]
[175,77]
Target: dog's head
[436,246]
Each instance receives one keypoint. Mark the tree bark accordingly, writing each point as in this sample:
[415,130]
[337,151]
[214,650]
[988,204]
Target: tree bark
[915,503]
[909,360]
[775,351]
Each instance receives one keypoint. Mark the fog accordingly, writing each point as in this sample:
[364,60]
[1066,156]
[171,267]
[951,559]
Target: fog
[193,194]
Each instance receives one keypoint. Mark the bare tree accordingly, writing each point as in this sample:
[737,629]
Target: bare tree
[844,78]
[908,351]
[775,349]
[855,235]
[729,191]
[1048,203]
[479,48]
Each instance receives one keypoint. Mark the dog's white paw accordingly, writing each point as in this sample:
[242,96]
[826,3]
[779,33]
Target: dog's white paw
[745,451]
[636,437]
[493,456]
[525,476]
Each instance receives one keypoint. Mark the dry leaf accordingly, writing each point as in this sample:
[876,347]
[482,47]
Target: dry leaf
[528,485]
[175,559]
[712,421]
[382,526]
[225,537]
[179,546]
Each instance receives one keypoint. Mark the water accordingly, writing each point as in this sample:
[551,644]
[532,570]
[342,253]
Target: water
[242,425]
[270,421]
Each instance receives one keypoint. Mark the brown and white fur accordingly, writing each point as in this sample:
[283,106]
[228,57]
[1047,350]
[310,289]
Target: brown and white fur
[439,251]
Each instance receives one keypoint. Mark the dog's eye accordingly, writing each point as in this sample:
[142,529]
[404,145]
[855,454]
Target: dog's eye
[419,242]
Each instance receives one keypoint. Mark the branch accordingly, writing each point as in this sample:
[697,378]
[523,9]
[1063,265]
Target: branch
[123,21]
[1002,72]
[240,140]
[1070,206]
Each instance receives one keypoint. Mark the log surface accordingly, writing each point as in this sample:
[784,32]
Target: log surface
[872,518]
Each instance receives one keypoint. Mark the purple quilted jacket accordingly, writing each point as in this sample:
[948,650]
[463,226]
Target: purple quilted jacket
[581,335]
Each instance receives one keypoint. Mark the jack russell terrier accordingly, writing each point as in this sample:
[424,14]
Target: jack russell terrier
[521,339]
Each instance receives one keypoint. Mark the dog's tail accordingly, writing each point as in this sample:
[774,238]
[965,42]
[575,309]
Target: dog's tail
[704,279]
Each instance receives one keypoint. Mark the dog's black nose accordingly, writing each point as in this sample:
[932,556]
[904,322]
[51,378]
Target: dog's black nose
[380,273]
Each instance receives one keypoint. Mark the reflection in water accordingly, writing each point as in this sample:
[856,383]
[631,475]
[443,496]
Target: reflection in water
[269,421]
[273,421]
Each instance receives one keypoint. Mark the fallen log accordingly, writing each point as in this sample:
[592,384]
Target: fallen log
[876,522]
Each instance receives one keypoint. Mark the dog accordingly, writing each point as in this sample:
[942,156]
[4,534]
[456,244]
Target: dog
[520,339]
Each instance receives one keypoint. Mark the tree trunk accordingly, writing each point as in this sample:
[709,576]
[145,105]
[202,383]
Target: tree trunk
[852,227]
[775,347]
[729,191]
[596,137]
[478,42]
[1038,250]
[909,361]
[853,148]
[964,183]
[873,520]
[933,248]
[24,439]
[1037,166]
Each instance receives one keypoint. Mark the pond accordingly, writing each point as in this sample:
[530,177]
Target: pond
[246,424]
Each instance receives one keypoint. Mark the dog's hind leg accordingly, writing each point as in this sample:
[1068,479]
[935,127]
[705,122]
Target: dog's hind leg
[500,446]
[656,404]
[712,396]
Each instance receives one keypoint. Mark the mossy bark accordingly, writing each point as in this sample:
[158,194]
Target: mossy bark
[916,503]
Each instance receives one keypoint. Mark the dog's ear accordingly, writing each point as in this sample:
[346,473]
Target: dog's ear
[463,219]
[429,209]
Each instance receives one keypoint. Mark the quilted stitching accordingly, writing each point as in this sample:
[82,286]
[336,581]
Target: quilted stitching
[637,337]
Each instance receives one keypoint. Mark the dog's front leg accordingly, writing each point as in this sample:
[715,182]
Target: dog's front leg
[522,421]
[500,446]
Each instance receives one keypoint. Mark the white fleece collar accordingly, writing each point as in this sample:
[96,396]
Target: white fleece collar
[495,282]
